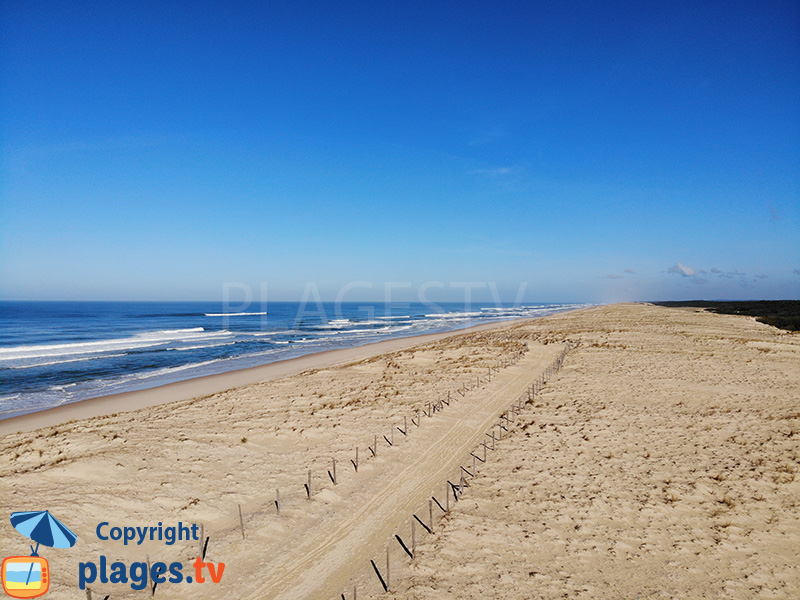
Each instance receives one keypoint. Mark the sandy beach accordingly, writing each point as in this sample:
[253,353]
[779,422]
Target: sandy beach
[211,384]
[659,462]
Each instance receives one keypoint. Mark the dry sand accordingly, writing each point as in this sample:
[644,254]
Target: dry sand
[659,463]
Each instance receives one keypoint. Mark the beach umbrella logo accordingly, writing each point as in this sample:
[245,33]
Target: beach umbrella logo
[29,576]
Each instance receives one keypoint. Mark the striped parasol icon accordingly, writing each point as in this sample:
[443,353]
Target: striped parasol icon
[43,528]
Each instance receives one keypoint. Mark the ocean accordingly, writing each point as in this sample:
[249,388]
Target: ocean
[53,353]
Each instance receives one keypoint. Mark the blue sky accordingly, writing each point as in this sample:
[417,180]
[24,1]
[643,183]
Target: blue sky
[593,151]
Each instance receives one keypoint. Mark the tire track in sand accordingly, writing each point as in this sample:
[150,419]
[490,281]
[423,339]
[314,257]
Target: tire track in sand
[323,557]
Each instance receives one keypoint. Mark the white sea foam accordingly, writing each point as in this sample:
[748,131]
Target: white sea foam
[266,333]
[155,374]
[349,331]
[180,348]
[335,324]
[239,314]
[69,360]
[340,324]
[140,340]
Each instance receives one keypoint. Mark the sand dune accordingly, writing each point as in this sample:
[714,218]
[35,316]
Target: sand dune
[660,462]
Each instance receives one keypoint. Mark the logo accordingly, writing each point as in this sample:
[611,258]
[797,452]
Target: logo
[141,574]
[29,576]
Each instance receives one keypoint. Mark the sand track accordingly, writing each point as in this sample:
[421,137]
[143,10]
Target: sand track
[332,551]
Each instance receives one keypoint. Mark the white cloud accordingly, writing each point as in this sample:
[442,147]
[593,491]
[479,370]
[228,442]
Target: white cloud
[682,269]
[688,272]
